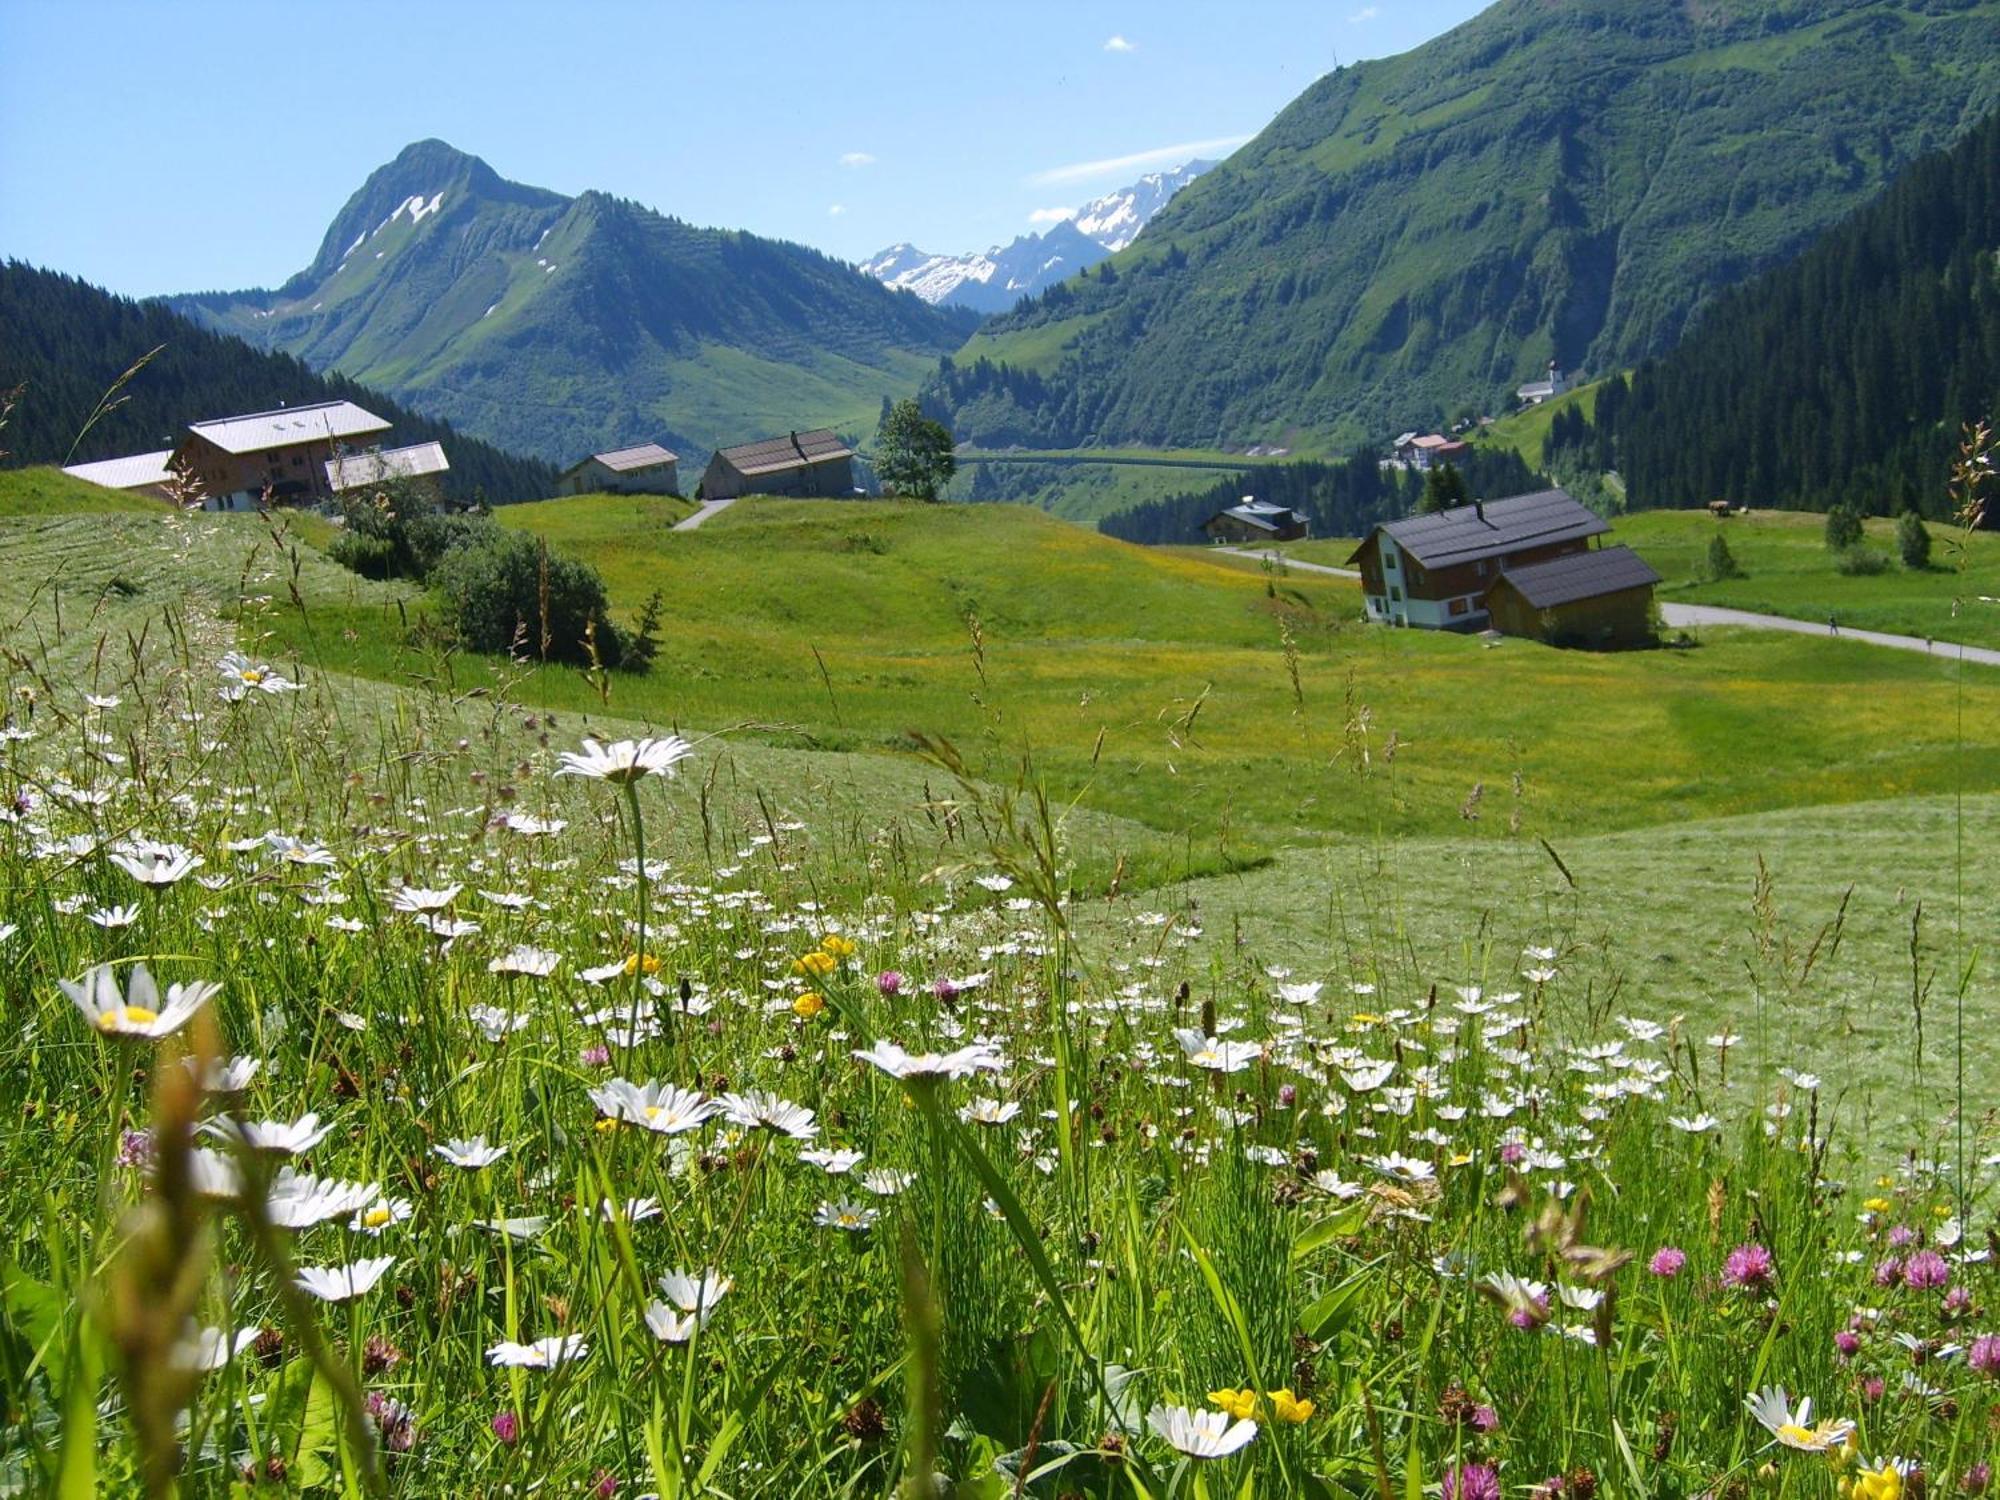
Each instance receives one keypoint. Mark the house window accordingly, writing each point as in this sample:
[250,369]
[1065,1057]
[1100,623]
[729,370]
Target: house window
[1389,561]
[1482,567]
[1461,606]
[1395,595]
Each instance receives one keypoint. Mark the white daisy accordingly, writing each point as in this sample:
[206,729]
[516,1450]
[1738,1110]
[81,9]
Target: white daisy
[626,760]
[1200,1434]
[343,1283]
[138,1012]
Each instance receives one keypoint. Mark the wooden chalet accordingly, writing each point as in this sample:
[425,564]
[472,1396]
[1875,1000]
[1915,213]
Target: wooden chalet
[647,469]
[1440,571]
[237,461]
[1255,520]
[801,464]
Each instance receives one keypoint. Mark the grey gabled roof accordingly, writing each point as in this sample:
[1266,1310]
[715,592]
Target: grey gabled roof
[353,470]
[1580,575]
[772,455]
[135,471]
[625,460]
[1466,533]
[323,421]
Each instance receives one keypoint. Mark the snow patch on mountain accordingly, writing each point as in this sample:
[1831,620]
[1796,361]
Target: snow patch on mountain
[994,280]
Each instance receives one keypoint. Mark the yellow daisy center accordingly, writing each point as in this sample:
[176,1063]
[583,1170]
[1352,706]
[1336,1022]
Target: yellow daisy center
[376,1217]
[126,1015]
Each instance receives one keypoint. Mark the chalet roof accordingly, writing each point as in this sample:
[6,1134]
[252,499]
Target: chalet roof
[289,425]
[358,469]
[1466,533]
[625,460]
[1579,575]
[796,451]
[1431,440]
[1404,441]
[130,473]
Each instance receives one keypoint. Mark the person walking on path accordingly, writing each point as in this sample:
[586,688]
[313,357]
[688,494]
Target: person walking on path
[1832,625]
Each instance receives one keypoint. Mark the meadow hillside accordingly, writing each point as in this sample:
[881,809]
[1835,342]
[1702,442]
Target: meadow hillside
[1416,235]
[422,1097]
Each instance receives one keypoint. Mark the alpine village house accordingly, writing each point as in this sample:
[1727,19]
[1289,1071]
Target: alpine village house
[1527,566]
[293,455]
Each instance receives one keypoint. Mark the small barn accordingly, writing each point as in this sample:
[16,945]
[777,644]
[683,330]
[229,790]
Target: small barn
[646,469]
[1255,520]
[813,464]
[1601,597]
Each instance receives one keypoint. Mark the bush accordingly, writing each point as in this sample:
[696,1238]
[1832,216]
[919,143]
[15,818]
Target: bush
[1913,541]
[1843,528]
[1860,562]
[1721,562]
[493,586]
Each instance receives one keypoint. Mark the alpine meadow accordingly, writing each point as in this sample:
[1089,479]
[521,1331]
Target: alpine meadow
[1325,826]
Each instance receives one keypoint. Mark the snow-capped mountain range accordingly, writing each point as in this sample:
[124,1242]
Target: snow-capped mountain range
[996,279]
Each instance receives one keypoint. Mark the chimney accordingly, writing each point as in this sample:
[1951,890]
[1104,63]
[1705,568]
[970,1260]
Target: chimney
[1479,509]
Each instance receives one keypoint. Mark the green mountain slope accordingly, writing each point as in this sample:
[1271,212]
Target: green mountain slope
[1570,181]
[562,325]
[1846,376]
[66,341]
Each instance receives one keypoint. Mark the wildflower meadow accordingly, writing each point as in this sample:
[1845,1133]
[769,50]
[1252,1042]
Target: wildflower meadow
[430,1112]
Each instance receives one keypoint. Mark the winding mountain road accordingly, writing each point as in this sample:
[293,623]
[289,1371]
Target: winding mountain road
[1694,616]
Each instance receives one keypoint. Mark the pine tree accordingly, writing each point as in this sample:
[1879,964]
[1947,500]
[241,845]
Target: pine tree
[1913,542]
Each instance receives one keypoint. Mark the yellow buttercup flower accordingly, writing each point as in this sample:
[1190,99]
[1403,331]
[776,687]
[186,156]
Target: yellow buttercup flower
[634,960]
[818,964]
[837,946]
[1239,1404]
[1878,1205]
[1885,1483]
[1289,1408]
[808,1005]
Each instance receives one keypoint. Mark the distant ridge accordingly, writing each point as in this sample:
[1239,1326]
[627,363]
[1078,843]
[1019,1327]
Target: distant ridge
[566,326]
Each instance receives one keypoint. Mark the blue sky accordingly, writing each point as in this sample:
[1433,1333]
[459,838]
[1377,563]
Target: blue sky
[155,147]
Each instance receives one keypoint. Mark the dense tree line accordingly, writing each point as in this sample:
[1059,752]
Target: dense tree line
[1844,378]
[67,342]
[1339,499]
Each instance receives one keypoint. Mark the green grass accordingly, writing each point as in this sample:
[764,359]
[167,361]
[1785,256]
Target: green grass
[1522,431]
[598,521]
[1292,1224]
[1787,570]
[47,491]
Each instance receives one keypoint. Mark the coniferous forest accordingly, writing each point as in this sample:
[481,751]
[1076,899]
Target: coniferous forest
[67,341]
[1339,499]
[1843,378]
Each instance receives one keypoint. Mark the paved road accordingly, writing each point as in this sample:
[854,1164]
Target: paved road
[1681,616]
[708,508]
[1278,559]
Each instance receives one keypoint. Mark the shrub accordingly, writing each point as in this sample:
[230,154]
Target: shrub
[1721,562]
[644,645]
[1860,562]
[1843,528]
[493,587]
[1913,541]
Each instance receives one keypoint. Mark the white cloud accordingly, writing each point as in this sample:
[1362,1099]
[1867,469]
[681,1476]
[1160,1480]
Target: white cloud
[1119,44]
[856,159]
[1366,13]
[835,210]
[1051,215]
[1159,156]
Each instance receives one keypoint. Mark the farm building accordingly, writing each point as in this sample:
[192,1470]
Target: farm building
[1437,572]
[1427,450]
[146,473]
[285,453]
[1255,520]
[647,469]
[1599,597]
[802,464]
[355,471]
